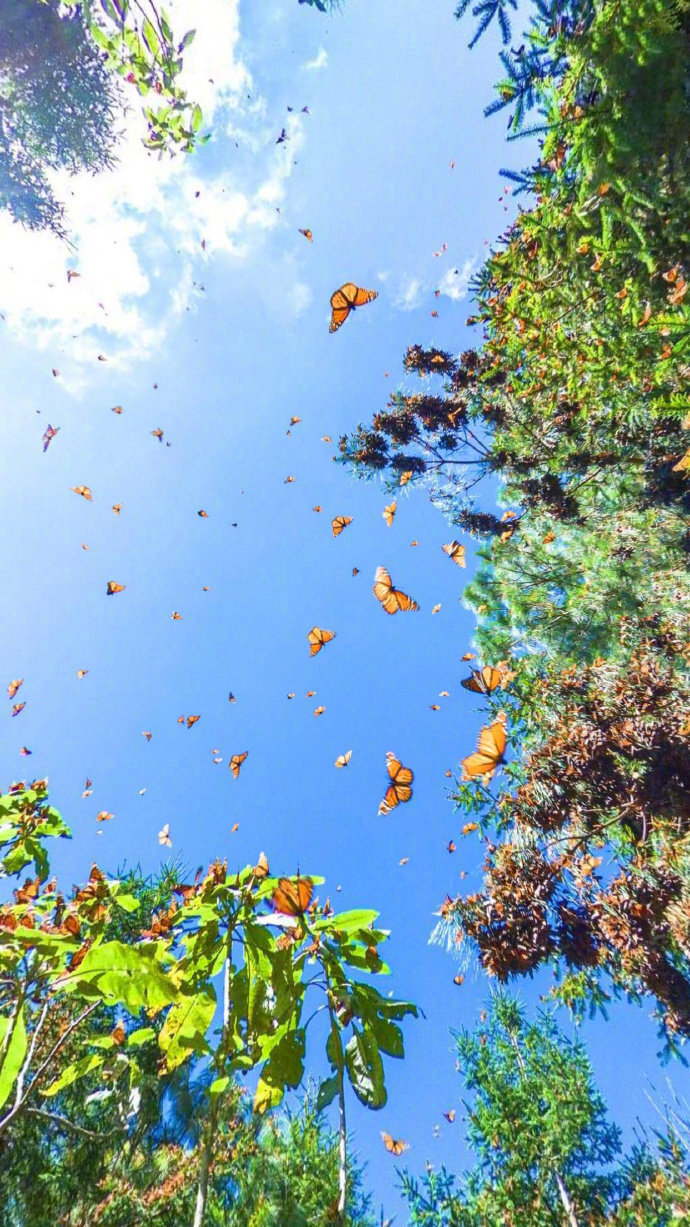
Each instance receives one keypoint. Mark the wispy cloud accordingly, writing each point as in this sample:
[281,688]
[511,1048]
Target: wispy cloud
[410,295]
[320,60]
[143,232]
[455,281]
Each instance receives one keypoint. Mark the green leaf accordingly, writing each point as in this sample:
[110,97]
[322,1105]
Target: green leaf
[365,1068]
[78,1069]
[120,974]
[150,37]
[326,1093]
[219,1085]
[197,118]
[15,1053]
[184,1030]
[141,1036]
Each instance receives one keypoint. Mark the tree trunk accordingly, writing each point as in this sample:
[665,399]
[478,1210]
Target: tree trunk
[570,1215]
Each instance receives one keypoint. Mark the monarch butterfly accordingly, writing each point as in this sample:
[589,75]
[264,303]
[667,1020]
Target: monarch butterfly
[326,439]
[112,587]
[203,514]
[489,754]
[147,735]
[339,523]
[343,759]
[116,409]
[164,836]
[18,707]
[483,681]
[25,751]
[435,609]
[48,437]
[388,512]
[405,477]
[394,1146]
[104,816]
[158,434]
[260,870]
[683,463]
[355,570]
[176,617]
[399,789]
[236,762]
[307,234]
[81,673]
[288,480]
[318,711]
[317,638]
[192,720]
[310,694]
[392,599]
[456,551]
[117,508]
[84,491]
[345,300]
[318,507]
[294,420]
[14,687]
[292,896]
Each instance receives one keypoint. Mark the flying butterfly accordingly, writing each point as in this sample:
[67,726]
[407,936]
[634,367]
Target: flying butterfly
[484,681]
[399,790]
[192,720]
[17,708]
[355,570]
[406,476]
[13,687]
[343,759]
[388,512]
[112,587]
[318,507]
[84,491]
[456,551]
[339,523]
[347,299]
[236,762]
[48,437]
[117,508]
[164,836]
[292,897]
[394,1146]
[489,754]
[392,599]
[307,234]
[317,638]
[318,711]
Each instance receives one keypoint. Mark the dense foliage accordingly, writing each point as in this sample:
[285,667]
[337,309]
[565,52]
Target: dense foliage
[109,993]
[576,403]
[546,1154]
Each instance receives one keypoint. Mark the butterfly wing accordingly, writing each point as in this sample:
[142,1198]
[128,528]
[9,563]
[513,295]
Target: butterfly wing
[292,898]
[236,762]
[362,297]
[489,754]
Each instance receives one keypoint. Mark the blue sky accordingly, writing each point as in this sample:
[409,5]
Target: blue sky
[394,96]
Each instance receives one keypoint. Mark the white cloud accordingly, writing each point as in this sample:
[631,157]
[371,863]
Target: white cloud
[320,60]
[138,230]
[301,297]
[454,283]
[410,295]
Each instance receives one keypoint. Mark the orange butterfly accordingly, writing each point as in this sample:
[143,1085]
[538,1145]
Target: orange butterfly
[117,508]
[343,759]
[14,687]
[435,609]
[288,480]
[392,599]
[399,790]
[158,434]
[192,720]
[307,234]
[317,638]
[318,711]
[117,409]
[176,617]
[405,477]
[388,512]
[456,551]
[147,735]
[310,694]
[339,523]
[345,300]
[317,508]
[104,816]
[292,897]
[489,754]
[84,491]
[203,514]
[355,570]
[483,681]
[326,439]
[17,708]
[81,673]
[394,1146]
[236,762]
[112,587]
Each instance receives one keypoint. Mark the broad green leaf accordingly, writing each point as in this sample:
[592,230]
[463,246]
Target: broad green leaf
[197,118]
[219,1085]
[78,1069]
[15,1053]
[118,973]
[326,1093]
[365,1068]
[185,1027]
[141,1036]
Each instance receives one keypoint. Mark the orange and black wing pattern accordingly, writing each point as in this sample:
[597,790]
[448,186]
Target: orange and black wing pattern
[236,762]
[292,896]
[345,300]
[489,753]
[400,788]
[483,681]
[317,638]
[393,600]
